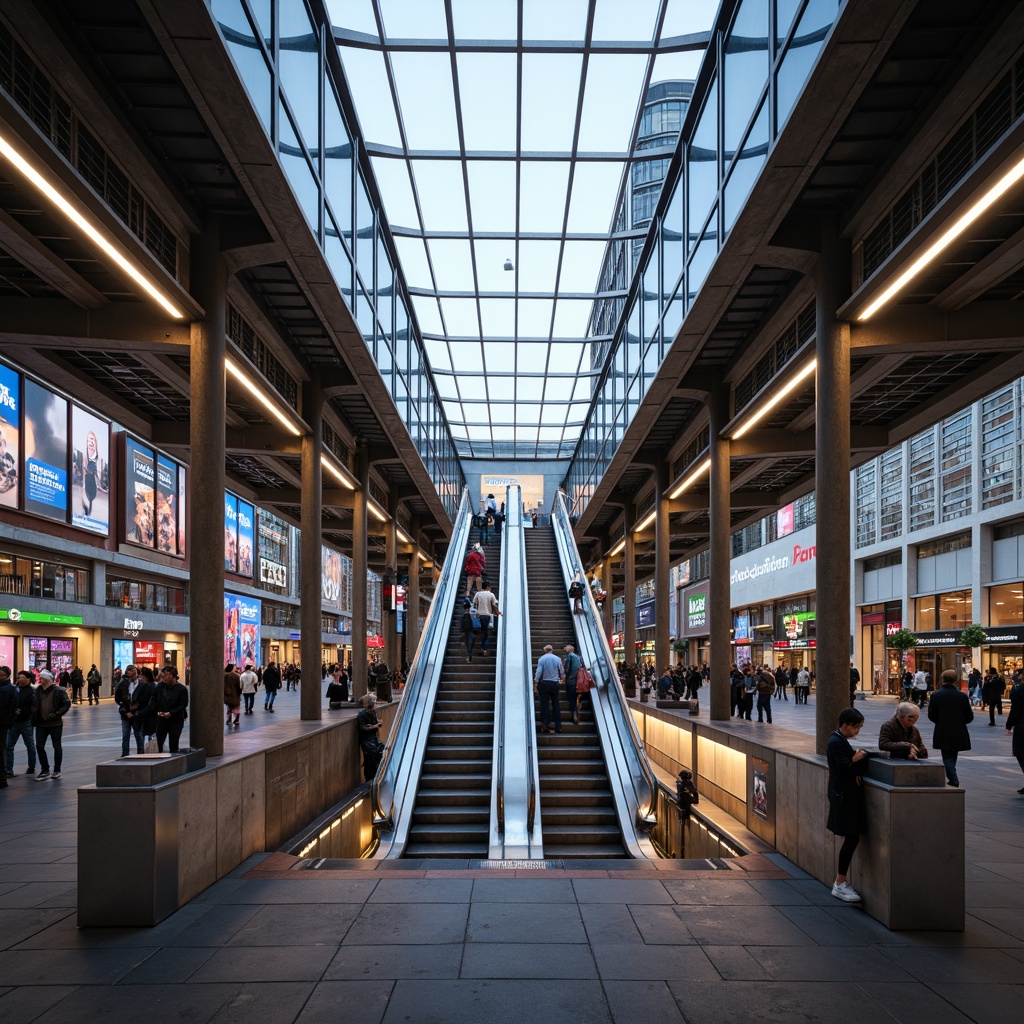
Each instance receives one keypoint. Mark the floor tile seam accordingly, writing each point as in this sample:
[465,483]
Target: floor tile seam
[43,928]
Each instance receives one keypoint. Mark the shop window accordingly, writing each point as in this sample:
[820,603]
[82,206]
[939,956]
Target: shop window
[940,547]
[1006,605]
[952,610]
[142,595]
[43,579]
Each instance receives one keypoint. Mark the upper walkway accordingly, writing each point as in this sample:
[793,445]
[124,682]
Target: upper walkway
[379,943]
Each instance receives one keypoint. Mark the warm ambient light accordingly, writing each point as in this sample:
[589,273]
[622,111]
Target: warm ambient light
[957,228]
[646,521]
[402,535]
[618,547]
[376,512]
[84,224]
[766,407]
[689,481]
[331,468]
[236,371]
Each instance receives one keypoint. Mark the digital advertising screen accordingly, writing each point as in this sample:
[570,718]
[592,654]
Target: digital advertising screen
[182,510]
[10,434]
[246,537]
[90,471]
[166,505]
[330,582]
[7,652]
[140,494]
[45,442]
[241,630]
[230,533]
[123,653]
[149,652]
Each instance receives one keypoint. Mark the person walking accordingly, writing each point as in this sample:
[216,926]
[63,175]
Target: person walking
[50,705]
[485,605]
[8,706]
[77,684]
[992,690]
[802,690]
[781,682]
[1015,724]
[854,683]
[249,682]
[22,726]
[571,665]
[846,807]
[920,691]
[170,706]
[271,684]
[369,726]
[232,694]
[951,711]
[476,563]
[470,626]
[93,682]
[546,681]
[765,688]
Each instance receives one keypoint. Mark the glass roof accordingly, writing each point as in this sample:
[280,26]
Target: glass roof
[500,133]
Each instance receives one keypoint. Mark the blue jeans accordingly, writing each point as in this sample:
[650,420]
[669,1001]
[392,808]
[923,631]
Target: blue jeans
[485,631]
[949,763]
[25,731]
[249,699]
[269,701]
[129,727]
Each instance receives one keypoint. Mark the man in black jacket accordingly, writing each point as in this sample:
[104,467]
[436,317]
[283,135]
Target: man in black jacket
[992,690]
[50,705]
[133,696]
[22,725]
[950,710]
[271,684]
[8,705]
[170,705]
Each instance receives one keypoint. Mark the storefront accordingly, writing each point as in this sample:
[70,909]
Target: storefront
[1006,618]
[695,615]
[38,640]
[881,671]
[646,648]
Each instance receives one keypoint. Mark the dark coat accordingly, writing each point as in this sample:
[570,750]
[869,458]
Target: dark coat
[8,703]
[271,679]
[846,812]
[1015,720]
[992,689]
[172,697]
[60,707]
[950,710]
[896,740]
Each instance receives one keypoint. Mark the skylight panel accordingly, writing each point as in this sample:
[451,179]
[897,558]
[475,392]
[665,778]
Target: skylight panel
[371,92]
[571,317]
[565,20]
[634,21]
[356,15]
[581,266]
[413,257]
[551,83]
[413,19]
[491,254]
[500,357]
[532,357]
[453,265]
[499,317]
[442,195]
[392,176]
[675,66]
[538,264]
[461,320]
[535,318]
[542,192]
[428,315]
[437,354]
[492,194]
[487,94]
[614,82]
[426,99]
[495,20]
[683,17]
[595,188]
[565,357]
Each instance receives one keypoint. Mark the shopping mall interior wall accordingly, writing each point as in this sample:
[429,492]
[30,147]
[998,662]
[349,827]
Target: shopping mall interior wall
[539,479]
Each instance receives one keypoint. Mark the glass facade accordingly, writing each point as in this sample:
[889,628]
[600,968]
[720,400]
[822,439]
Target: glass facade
[716,175]
[296,97]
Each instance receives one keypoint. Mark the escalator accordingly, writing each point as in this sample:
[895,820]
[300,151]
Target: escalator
[452,808]
[578,816]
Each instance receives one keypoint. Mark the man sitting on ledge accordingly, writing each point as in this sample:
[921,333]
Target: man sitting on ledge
[900,736]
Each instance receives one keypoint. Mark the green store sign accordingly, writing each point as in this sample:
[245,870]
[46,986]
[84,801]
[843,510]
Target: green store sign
[16,615]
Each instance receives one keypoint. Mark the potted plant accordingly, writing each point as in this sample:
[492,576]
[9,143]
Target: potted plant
[973,636]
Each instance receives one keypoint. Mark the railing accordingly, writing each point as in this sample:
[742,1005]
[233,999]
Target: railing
[394,785]
[514,795]
[633,780]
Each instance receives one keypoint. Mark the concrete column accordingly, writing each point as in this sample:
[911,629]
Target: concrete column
[412,595]
[719,554]
[832,462]
[309,553]
[629,594]
[663,594]
[359,514]
[206,495]
[606,585]
[389,618]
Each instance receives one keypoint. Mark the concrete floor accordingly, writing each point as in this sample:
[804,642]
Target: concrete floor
[395,945]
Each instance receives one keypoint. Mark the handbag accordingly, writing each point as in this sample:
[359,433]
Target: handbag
[475,621]
[150,747]
[584,680]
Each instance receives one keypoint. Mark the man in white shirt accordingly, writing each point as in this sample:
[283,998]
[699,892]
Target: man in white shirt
[250,681]
[485,604]
[920,687]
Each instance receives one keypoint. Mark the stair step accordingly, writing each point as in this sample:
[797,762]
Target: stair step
[447,833]
[576,797]
[434,816]
[453,797]
[556,818]
[569,851]
[435,766]
[580,834]
[453,850]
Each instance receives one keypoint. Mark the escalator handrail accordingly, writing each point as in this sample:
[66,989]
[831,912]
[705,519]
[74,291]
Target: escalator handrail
[425,668]
[646,803]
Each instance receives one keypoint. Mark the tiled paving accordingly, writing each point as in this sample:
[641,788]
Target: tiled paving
[459,946]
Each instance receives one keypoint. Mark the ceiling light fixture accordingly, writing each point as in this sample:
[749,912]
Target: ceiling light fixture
[950,235]
[236,371]
[376,512]
[618,547]
[689,481]
[766,407]
[80,220]
[646,521]
[338,475]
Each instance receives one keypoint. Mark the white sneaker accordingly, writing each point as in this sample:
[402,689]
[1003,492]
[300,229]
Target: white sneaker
[846,892]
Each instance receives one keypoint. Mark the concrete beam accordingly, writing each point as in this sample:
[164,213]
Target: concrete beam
[116,327]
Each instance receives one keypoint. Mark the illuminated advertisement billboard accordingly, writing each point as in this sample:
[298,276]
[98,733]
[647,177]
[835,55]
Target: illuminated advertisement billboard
[166,505]
[90,471]
[330,582]
[241,629]
[230,533]
[45,443]
[246,537]
[10,434]
[154,497]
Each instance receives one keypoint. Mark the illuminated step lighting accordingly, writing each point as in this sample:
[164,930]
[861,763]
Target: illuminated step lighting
[766,407]
[689,481]
[950,235]
[85,225]
[246,381]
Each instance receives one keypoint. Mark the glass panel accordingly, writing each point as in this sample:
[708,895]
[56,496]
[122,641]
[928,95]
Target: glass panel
[551,83]
[299,64]
[413,19]
[746,69]
[460,318]
[474,20]
[746,168]
[354,14]
[615,20]
[492,195]
[702,164]
[609,104]
[571,316]
[442,194]
[581,265]
[423,82]
[631,348]
[701,262]
[339,262]
[412,254]
[595,188]
[428,314]
[673,318]
[672,241]
[538,264]
[534,317]
[240,39]
[385,287]
[652,299]
[396,192]
[371,93]
[298,171]
[364,232]
[803,51]
[338,164]
[542,192]
[452,262]
[487,94]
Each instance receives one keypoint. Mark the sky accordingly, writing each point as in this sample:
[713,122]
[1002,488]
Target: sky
[479,164]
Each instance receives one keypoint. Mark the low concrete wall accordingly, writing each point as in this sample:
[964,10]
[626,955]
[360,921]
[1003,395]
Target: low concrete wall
[780,795]
[201,826]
